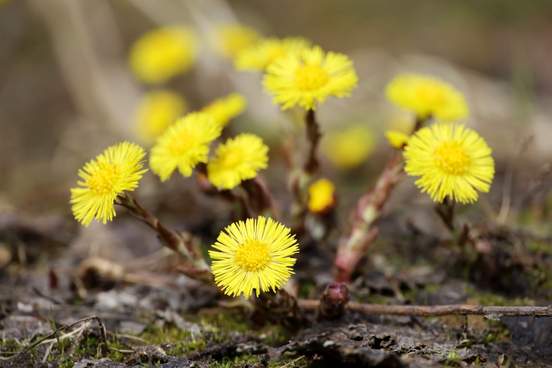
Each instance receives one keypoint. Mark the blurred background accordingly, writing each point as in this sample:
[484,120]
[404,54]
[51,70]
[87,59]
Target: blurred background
[67,92]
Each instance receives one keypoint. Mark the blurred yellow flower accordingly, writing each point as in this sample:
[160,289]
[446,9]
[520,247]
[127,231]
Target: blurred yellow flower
[427,97]
[163,53]
[117,170]
[321,196]
[237,159]
[309,77]
[349,147]
[183,145]
[264,53]
[226,108]
[234,38]
[396,138]
[452,162]
[257,254]
[156,111]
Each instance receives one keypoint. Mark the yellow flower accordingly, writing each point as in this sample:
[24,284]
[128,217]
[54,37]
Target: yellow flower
[183,145]
[234,38]
[349,147]
[163,53]
[257,254]
[264,53]
[321,196]
[397,139]
[309,77]
[427,97]
[117,170]
[158,110]
[226,108]
[451,160]
[236,160]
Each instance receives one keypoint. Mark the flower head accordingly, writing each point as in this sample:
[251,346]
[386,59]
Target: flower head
[257,254]
[396,138]
[237,159]
[309,77]
[427,96]
[451,160]
[226,108]
[349,147]
[262,54]
[234,38]
[163,53]
[183,145]
[321,196]
[117,170]
[157,110]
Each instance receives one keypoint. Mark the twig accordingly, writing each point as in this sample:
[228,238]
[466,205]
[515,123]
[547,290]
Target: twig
[435,310]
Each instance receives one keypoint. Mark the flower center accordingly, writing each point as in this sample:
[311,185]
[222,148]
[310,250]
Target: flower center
[252,256]
[431,94]
[231,159]
[179,146]
[451,158]
[311,77]
[103,180]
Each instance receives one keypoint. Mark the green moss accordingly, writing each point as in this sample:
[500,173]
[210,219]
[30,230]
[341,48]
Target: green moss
[236,362]
[290,362]
[179,342]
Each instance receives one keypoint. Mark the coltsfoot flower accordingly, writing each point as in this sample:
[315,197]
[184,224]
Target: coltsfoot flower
[396,139]
[237,159]
[257,254]
[349,147]
[452,162]
[265,52]
[321,196]
[156,111]
[427,97]
[234,38]
[117,170]
[226,108]
[309,77]
[183,145]
[163,53]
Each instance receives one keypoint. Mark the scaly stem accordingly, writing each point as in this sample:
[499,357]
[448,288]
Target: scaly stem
[364,232]
[194,264]
[302,177]
[313,136]
[260,198]
[353,247]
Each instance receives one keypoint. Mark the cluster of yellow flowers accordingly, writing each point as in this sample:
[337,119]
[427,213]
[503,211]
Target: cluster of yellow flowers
[450,160]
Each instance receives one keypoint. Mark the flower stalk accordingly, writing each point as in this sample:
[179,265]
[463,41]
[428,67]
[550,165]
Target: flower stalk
[183,244]
[368,210]
[363,232]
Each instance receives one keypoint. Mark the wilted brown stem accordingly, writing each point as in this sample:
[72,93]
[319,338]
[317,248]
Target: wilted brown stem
[183,244]
[434,310]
